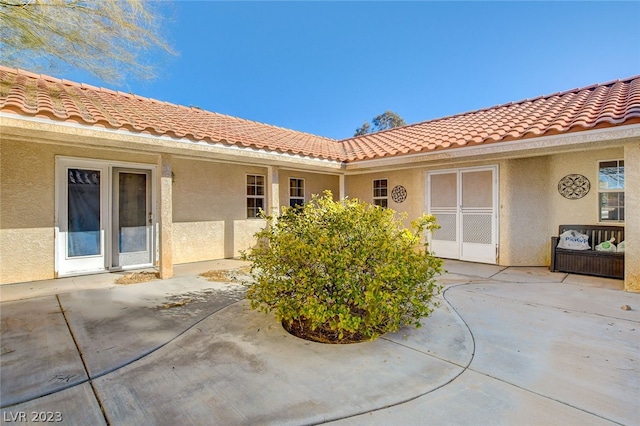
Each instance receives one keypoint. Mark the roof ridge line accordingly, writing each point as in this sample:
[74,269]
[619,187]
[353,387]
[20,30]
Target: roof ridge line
[130,95]
[87,86]
[506,104]
[274,126]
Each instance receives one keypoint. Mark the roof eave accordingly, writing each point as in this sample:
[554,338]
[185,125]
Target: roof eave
[76,134]
[541,145]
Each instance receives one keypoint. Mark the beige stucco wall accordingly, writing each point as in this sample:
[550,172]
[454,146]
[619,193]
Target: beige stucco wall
[197,241]
[208,198]
[314,184]
[632,215]
[209,210]
[209,203]
[361,186]
[165,216]
[26,212]
[27,204]
[530,206]
[523,211]
[244,231]
[584,210]
[532,209]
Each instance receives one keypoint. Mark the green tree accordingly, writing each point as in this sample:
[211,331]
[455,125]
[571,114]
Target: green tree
[387,120]
[343,269]
[366,128]
[108,38]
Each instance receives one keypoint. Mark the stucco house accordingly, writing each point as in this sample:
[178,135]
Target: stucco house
[94,180]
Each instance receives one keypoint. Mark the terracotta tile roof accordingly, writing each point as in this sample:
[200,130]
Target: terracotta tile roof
[36,95]
[604,105]
[597,106]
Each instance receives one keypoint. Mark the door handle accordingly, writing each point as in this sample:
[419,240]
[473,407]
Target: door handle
[150,218]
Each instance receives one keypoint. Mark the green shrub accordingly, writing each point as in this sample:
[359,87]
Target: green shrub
[344,266]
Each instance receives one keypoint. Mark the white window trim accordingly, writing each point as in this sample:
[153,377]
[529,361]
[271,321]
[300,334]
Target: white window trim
[304,184]
[373,191]
[602,191]
[262,197]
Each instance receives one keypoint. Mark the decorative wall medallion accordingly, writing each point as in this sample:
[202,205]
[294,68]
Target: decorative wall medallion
[398,194]
[574,186]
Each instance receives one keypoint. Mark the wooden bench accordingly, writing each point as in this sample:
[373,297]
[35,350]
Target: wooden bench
[589,262]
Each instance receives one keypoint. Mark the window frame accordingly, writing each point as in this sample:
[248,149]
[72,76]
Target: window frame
[255,196]
[380,200]
[301,199]
[621,205]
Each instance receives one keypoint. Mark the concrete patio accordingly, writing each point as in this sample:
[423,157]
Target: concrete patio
[506,346]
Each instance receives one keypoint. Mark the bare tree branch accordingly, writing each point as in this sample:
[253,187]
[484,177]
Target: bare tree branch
[107,38]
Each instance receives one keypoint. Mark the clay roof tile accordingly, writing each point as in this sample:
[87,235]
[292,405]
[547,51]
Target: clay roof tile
[608,104]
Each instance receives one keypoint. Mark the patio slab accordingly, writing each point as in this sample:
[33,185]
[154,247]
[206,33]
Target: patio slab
[587,358]
[529,274]
[472,269]
[241,367]
[38,354]
[73,406]
[185,351]
[476,399]
[118,325]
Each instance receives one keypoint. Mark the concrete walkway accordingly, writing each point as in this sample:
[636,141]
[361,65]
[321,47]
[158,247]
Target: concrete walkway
[506,346]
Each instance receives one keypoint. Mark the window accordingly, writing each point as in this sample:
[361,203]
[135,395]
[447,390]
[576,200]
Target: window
[380,192]
[255,195]
[296,192]
[611,190]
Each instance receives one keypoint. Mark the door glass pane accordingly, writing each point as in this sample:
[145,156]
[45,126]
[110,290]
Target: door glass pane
[83,218]
[477,189]
[444,190]
[132,220]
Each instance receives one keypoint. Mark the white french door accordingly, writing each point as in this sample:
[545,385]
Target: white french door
[132,230]
[104,216]
[465,203]
[82,189]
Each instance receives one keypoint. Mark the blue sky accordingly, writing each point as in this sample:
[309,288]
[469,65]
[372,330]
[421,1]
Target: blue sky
[326,67]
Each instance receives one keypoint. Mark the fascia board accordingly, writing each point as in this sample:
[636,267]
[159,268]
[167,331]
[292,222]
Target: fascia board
[524,147]
[48,131]
[74,133]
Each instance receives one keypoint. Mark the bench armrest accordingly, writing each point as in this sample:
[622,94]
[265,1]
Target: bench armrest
[554,244]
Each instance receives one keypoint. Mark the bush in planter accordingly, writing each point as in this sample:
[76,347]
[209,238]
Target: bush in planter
[344,269]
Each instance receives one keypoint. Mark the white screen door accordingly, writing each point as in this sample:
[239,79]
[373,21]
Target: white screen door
[443,203]
[464,202]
